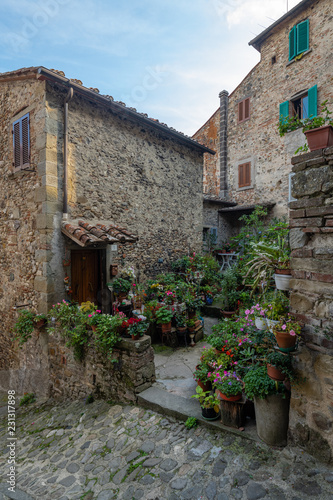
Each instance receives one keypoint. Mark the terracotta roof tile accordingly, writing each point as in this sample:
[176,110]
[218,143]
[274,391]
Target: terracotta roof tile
[86,234]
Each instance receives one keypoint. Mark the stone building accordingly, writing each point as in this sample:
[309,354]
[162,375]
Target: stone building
[86,184]
[252,162]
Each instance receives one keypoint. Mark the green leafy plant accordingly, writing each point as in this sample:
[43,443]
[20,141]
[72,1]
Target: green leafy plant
[136,326]
[180,320]
[24,326]
[121,285]
[276,305]
[190,323]
[27,398]
[257,383]
[163,315]
[282,362]
[229,292]
[106,335]
[207,399]
[191,422]
[201,372]
[318,121]
[289,325]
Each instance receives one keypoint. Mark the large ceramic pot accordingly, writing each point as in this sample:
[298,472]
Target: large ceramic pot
[166,327]
[272,419]
[319,138]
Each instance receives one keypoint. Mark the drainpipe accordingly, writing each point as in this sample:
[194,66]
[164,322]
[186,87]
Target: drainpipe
[223,144]
[65,202]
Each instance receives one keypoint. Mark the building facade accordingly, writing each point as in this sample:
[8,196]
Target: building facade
[293,77]
[86,184]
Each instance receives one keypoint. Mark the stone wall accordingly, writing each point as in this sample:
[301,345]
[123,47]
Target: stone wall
[311,237]
[48,369]
[22,240]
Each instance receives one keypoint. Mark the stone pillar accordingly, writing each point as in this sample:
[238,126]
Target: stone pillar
[311,298]
[223,152]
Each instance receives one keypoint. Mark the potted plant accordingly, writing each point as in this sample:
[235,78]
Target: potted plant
[191,324]
[228,385]
[279,366]
[163,318]
[40,320]
[137,328]
[121,286]
[319,129]
[286,332]
[277,305]
[93,319]
[24,326]
[271,402]
[193,302]
[210,405]
[229,286]
[259,314]
[201,376]
[180,320]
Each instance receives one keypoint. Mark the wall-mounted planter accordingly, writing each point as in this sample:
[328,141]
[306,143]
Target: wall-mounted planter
[319,138]
[282,281]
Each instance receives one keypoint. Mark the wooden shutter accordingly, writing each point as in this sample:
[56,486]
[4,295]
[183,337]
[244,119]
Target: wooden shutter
[25,141]
[283,110]
[21,142]
[16,145]
[244,175]
[246,108]
[240,111]
[302,37]
[292,43]
[312,100]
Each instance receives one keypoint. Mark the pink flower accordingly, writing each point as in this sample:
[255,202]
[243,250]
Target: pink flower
[134,284]
[98,311]
[242,329]
[292,333]
[284,327]
[90,315]
[247,311]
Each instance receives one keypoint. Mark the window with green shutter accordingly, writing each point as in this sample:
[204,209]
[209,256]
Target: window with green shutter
[21,143]
[298,39]
[302,105]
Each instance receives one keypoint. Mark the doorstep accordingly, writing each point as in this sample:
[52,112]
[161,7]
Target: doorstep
[167,403]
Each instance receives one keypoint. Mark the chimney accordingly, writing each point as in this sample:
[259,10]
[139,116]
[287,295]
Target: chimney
[223,152]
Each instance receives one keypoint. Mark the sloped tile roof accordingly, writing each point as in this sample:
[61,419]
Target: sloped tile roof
[86,234]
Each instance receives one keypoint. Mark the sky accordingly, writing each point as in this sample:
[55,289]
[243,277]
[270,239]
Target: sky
[167,58]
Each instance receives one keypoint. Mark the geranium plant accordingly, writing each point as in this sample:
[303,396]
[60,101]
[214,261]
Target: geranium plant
[163,315]
[136,326]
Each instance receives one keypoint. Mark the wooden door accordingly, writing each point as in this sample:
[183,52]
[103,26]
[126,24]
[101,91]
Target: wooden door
[85,275]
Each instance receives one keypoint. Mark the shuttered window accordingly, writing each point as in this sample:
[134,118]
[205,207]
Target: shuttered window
[244,175]
[21,143]
[298,39]
[304,105]
[244,110]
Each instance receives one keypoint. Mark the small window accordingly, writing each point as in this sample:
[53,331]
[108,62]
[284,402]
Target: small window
[21,143]
[298,39]
[244,175]
[302,105]
[244,110]
[273,60]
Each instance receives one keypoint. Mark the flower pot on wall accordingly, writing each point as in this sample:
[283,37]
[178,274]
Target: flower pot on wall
[282,281]
[319,138]
[261,323]
[271,323]
[236,397]
[285,341]
[275,373]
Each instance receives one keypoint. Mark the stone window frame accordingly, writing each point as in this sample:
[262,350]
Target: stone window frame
[241,110]
[250,160]
[17,117]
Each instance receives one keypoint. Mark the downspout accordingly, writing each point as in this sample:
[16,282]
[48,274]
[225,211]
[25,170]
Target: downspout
[223,144]
[65,201]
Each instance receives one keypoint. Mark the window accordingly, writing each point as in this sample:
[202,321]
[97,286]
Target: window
[21,142]
[244,110]
[302,105]
[299,39]
[244,175]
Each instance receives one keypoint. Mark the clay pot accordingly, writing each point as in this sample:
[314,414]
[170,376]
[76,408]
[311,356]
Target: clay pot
[228,314]
[166,327]
[285,341]
[236,397]
[275,373]
[319,138]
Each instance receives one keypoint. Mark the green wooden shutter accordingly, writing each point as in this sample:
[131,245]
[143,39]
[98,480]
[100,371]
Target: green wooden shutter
[292,43]
[312,97]
[283,110]
[302,37]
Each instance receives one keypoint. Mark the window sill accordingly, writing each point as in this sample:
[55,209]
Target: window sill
[298,58]
[244,188]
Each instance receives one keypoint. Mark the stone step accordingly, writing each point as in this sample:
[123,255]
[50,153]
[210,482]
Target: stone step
[181,408]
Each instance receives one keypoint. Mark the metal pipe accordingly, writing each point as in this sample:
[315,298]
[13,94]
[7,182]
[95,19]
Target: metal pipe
[65,200]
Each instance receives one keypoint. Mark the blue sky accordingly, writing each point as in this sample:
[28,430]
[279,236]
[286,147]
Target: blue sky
[167,58]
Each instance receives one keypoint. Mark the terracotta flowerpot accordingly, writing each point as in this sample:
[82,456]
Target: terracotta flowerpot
[228,314]
[135,337]
[166,327]
[282,271]
[319,138]
[236,397]
[181,330]
[275,373]
[285,341]
[205,386]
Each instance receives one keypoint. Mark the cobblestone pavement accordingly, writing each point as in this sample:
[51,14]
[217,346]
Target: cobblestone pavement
[102,451]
